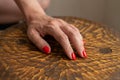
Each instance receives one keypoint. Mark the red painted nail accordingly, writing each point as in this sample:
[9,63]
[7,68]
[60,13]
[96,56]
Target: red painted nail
[84,54]
[46,49]
[73,56]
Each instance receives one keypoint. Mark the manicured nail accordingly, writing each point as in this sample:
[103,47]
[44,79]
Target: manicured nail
[73,56]
[46,49]
[84,54]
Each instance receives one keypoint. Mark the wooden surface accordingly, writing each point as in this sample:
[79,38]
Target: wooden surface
[21,60]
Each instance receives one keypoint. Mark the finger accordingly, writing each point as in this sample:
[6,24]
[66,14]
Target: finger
[75,38]
[62,38]
[38,41]
[78,42]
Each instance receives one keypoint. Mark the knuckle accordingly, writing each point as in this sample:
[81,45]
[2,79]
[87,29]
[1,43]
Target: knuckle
[29,31]
[63,37]
[73,33]
[52,25]
[60,20]
[53,22]
[50,28]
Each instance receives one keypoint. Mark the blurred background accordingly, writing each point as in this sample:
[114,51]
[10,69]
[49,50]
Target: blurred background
[102,11]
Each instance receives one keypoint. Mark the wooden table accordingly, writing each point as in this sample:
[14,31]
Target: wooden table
[21,60]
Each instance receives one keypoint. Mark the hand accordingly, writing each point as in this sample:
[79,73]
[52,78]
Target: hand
[64,33]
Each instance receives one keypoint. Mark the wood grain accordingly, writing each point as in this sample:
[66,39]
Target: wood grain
[21,60]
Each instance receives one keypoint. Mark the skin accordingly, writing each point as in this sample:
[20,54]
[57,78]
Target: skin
[40,24]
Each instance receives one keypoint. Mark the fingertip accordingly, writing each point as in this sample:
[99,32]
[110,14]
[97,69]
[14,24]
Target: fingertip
[46,49]
[84,54]
[73,56]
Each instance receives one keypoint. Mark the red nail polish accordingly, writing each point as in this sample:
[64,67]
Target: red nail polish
[84,54]
[73,56]
[46,49]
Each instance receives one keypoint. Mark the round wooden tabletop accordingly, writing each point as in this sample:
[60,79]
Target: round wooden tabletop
[21,60]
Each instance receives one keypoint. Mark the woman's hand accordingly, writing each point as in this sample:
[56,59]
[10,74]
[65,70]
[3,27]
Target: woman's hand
[39,25]
[64,33]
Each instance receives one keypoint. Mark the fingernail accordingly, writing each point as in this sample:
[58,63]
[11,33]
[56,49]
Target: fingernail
[46,49]
[84,54]
[73,56]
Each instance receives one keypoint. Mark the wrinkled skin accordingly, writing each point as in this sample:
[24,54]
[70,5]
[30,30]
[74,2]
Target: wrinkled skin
[40,24]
